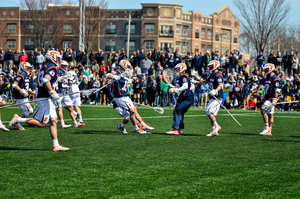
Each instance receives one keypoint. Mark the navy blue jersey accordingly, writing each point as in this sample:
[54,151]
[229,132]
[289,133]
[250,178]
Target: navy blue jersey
[186,94]
[23,82]
[51,70]
[213,81]
[271,84]
[120,86]
[64,85]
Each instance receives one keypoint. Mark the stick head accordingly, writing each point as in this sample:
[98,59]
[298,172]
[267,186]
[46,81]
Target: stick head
[88,92]
[159,110]
[194,73]
[168,75]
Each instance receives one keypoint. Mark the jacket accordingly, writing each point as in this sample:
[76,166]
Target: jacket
[241,61]
[23,58]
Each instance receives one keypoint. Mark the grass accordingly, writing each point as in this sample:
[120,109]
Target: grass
[104,163]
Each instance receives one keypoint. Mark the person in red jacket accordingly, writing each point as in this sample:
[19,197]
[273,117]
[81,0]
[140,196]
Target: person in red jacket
[23,57]
[251,104]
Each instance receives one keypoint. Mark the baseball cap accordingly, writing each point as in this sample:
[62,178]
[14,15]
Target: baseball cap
[207,52]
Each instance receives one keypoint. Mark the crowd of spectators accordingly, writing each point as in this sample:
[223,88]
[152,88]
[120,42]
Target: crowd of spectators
[148,87]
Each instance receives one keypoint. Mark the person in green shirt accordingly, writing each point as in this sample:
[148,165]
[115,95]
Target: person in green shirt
[97,68]
[164,93]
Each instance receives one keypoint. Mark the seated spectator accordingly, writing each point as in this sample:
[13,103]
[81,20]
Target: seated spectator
[251,104]
[233,73]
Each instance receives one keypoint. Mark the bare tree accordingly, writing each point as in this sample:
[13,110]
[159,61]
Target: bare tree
[40,22]
[262,20]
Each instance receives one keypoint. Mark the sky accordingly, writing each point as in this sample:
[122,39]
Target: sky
[207,7]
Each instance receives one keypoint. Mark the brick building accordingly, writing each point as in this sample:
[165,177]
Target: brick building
[155,25]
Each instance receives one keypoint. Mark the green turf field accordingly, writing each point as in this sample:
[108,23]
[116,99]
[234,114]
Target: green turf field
[104,163]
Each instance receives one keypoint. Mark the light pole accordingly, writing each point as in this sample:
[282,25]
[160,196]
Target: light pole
[128,36]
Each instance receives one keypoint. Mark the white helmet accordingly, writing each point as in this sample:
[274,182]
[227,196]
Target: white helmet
[181,70]
[26,67]
[64,65]
[125,64]
[54,57]
[213,65]
[268,68]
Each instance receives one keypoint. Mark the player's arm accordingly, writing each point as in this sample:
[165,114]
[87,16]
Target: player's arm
[277,91]
[215,91]
[17,88]
[46,81]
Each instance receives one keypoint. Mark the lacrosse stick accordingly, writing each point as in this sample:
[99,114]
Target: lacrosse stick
[223,107]
[287,102]
[99,89]
[157,109]
[84,92]
[168,75]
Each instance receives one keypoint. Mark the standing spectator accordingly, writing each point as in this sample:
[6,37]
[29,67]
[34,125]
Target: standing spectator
[97,68]
[158,93]
[197,95]
[70,57]
[241,63]
[133,59]
[102,68]
[9,58]
[151,90]
[84,59]
[23,56]
[99,56]
[168,52]
[145,65]
[236,93]
[122,55]
[150,55]
[270,57]
[295,64]
[196,63]
[17,58]
[143,89]
[188,59]
[155,57]
[163,59]
[31,58]
[233,62]
[260,61]
[205,59]
[246,94]
[137,90]
[103,94]
[96,85]
[171,61]
[110,60]
[287,93]
[141,56]
[2,57]
[222,61]
[137,70]
[290,63]
[279,61]
[213,55]
[204,93]
[92,57]
[164,93]
[39,59]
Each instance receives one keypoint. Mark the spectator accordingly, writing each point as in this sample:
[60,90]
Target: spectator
[233,73]
[96,85]
[163,59]
[213,55]
[246,94]
[236,93]
[145,65]
[17,58]
[197,95]
[97,68]
[103,94]
[279,61]
[122,55]
[205,59]
[155,57]
[164,93]
[233,62]
[196,63]
[290,63]
[99,57]
[2,57]
[270,57]
[171,61]
[9,57]
[102,68]
[295,64]
[39,59]
[133,59]
[158,93]
[260,61]
[141,56]
[137,90]
[92,57]
[241,63]
[251,105]
[31,58]
[151,90]
[204,93]
[287,93]
[143,89]
[168,52]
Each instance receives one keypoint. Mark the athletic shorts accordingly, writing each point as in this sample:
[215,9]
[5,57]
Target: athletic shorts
[65,101]
[75,99]
[136,95]
[45,110]
[24,107]
[268,110]
[124,102]
[212,107]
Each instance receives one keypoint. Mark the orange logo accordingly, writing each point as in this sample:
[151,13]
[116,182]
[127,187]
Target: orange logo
[130,105]
[45,119]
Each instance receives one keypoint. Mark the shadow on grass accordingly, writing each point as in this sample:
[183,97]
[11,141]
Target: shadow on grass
[19,149]
[282,141]
[243,134]
[98,132]
[177,135]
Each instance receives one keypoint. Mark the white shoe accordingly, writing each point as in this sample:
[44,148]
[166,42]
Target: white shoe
[266,131]
[140,131]
[212,134]
[216,129]
[3,128]
[78,124]
[65,126]
[60,148]
[122,129]
[20,127]
[13,121]
[147,127]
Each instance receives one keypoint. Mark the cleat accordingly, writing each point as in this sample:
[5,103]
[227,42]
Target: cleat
[212,134]
[148,132]
[122,129]
[147,127]
[173,132]
[19,126]
[3,128]
[65,126]
[266,132]
[140,131]
[180,132]
[216,129]
[60,148]
[13,120]
[79,125]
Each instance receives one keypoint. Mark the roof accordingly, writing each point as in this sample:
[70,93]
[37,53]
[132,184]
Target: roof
[222,8]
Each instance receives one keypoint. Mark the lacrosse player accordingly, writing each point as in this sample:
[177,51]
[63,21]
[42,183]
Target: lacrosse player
[65,101]
[46,109]
[21,86]
[184,101]
[215,82]
[2,103]
[76,101]
[120,78]
[272,88]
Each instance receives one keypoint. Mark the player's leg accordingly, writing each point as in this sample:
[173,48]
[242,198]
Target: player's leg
[211,111]
[266,121]
[78,111]
[140,120]
[177,119]
[53,134]
[126,116]
[186,107]
[2,103]
[271,122]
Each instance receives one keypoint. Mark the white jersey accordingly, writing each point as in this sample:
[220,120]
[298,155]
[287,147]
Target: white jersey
[74,83]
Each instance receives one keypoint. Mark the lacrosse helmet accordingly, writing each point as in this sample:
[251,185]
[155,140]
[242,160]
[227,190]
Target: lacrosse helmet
[213,65]
[268,68]
[54,57]
[64,65]
[179,68]
[26,67]
[125,64]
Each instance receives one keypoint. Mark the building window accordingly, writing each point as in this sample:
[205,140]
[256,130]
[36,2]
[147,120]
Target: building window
[30,28]
[197,33]
[132,28]
[202,47]
[203,33]
[149,45]
[11,28]
[217,36]
[165,46]
[228,36]
[11,44]
[131,45]
[178,29]
[67,44]
[209,48]
[217,50]
[149,28]
[29,45]
[184,47]
[235,39]
[110,45]
[166,30]
[196,48]
[209,34]
[67,28]
[185,30]
[178,45]
[111,29]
